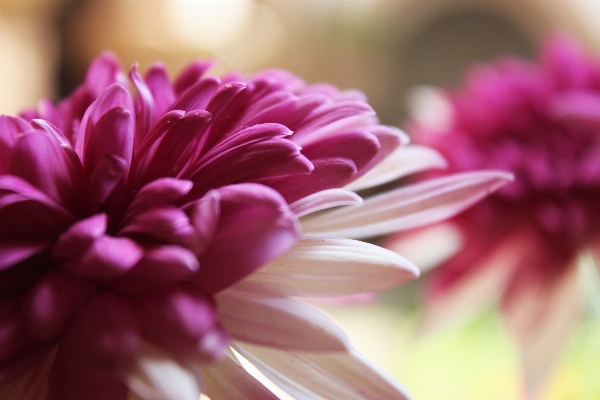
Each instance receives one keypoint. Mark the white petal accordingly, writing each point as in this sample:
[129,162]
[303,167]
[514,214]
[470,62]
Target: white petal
[319,267]
[401,162]
[343,375]
[325,199]
[158,377]
[279,322]
[542,318]
[228,380]
[408,207]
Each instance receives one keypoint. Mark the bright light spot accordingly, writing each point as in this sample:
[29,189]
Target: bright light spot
[209,24]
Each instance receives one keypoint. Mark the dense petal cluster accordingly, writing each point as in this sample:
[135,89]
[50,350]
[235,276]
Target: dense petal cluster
[139,233]
[540,121]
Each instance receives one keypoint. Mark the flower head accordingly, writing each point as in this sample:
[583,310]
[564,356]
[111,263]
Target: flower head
[541,122]
[140,233]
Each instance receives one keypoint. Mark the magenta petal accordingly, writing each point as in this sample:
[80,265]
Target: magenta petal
[358,146]
[112,135]
[10,128]
[389,139]
[13,339]
[52,301]
[160,267]
[252,161]
[102,342]
[255,226]
[27,213]
[158,82]
[160,192]
[145,117]
[198,96]
[13,252]
[190,75]
[115,96]
[40,159]
[80,236]
[331,116]
[103,72]
[205,219]
[107,258]
[327,174]
[183,320]
[105,179]
[169,224]
[177,145]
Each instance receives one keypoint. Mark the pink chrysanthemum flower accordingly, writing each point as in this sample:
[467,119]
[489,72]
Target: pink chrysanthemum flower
[541,122]
[139,234]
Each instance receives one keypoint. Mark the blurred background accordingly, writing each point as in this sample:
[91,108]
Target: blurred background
[385,49]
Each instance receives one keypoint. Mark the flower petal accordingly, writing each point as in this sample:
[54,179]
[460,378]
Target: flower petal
[52,301]
[13,252]
[255,226]
[159,376]
[106,258]
[327,173]
[198,96]
[542,316]
[102,342]
[183,320]
[229,380]
[408,207]
[161,266]
[168,224]
[325,199]
[330,267]
[58,179]
[279,322]
[402,162]
[162,91]
[344,375]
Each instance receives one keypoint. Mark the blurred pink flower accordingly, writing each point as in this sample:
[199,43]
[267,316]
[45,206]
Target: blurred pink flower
[138,234]
[541,122]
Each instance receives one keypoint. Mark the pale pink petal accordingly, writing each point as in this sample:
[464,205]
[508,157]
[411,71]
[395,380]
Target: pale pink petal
[228,380]
[403,162]
[408,207]
[255,226]
[543,317]
[343,375]
[318,267]
[279,322]
[157,375]
[325,199]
